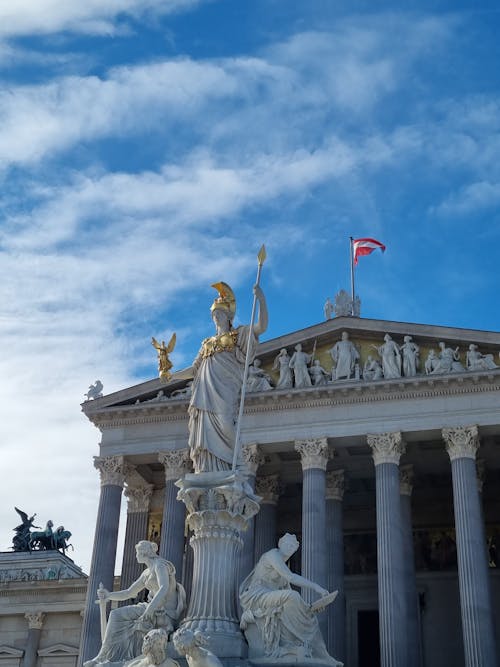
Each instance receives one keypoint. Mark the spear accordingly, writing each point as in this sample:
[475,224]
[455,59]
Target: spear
[102,611]
[237,445]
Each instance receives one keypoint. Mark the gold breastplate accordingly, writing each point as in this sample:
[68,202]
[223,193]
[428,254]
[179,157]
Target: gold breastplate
[224,342]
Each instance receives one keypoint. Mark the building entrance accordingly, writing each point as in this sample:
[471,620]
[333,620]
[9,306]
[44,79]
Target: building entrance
[368,639]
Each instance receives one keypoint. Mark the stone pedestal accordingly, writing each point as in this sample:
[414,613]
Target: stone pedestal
[219,506]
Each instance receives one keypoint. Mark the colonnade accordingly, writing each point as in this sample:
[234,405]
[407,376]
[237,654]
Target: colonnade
[322,540]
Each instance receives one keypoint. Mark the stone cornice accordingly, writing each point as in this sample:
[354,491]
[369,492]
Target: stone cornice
[335,485]
[253,457]
[343,393]
[314,453]
[461,442]
[176,462]
[138,497]
[386,447]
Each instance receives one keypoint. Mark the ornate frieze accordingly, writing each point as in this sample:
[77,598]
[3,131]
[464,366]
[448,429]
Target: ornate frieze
[253,457]
[113,469]
[268,488]
[138,497]
[35,620]
[177,463]
[462,442]
[406,479]
[386,447]
[335,485]
[314,453]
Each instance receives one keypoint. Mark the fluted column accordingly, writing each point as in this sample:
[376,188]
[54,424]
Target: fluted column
[35,624]
[314,456]
[387,449]
[335,565]
[112,470]
[267,488]
[413,626]
[138,496]
[462,444]
[253,458]
[177,463]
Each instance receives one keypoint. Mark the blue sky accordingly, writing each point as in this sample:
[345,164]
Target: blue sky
[148,148]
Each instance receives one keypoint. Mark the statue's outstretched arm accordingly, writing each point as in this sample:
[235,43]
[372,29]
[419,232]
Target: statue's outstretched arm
[295,579]
[131,592]
[261,325]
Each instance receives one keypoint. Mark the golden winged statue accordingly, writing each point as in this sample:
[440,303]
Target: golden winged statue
[164,363]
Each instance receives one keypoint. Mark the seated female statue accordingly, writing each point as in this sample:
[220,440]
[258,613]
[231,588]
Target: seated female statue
[127,625]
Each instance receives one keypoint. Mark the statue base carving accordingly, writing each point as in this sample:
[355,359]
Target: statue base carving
[219,505]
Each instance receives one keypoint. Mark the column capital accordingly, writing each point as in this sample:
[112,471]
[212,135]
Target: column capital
[112,469]
[177,463]
[462,442]
[386,447]
[314,453]
[335,485]
[268,488]
[253,457]
[35,619]
[138,496]
[406,479]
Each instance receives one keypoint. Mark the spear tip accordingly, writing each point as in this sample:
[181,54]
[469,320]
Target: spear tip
[262,254]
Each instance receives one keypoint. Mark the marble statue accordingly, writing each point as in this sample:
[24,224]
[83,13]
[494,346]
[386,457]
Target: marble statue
[475,361]
[95,391]
[391,358]
[432,362]
[185,392]
[318,374]
[278,624]
[344,355]
[258,380]
[218,376]
[192,645]
[328,309]
[372,369]
[127,626]
[448,361]
[298,363]
[343,304]
[410,352]
[282,362]
[154,652]
[164,363]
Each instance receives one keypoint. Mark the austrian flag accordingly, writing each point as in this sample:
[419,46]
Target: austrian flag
[362,247]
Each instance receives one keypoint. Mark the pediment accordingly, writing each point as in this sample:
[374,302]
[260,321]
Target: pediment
[58,650]
[10,652]
[365,334]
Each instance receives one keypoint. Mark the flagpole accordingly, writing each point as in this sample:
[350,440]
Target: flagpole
[260,258]
[352,273]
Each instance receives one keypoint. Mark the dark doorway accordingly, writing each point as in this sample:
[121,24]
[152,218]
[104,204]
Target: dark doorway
[368,639]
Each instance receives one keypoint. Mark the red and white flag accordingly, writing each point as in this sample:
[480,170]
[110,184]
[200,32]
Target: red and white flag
[365,247]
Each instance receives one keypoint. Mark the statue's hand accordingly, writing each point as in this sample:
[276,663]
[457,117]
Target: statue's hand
[322,591]
[258,292]
[103,594]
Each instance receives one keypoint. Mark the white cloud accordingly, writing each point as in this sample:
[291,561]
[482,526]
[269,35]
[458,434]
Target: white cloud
[28,17]
[470,199]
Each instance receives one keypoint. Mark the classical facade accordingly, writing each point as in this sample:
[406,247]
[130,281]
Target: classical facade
[42,598]
[386,465]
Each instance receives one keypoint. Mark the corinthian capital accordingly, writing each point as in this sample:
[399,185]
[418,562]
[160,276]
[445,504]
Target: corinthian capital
[35,620]
[253,457]
[461,442]
[177,463]
[314,453]
[138,497]
[113,469]
[406,480]
[335,485]
[268,488]
[386,447]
